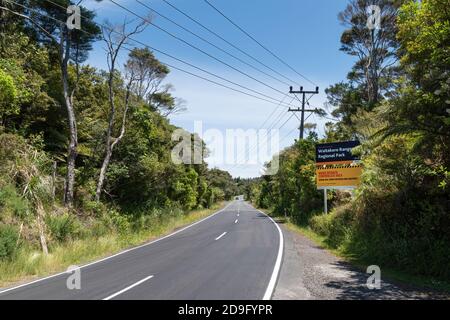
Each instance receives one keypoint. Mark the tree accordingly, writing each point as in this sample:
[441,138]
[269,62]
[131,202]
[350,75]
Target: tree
[222,179]
[70,46]
[423,100]
[421,106]
[149,71]
[115,38]
[8,96]
[374,47]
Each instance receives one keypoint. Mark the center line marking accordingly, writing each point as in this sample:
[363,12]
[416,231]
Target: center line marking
[236,221]
[127,288]
[220,236]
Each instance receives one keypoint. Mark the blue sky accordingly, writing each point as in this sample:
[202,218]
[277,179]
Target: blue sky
[304,33]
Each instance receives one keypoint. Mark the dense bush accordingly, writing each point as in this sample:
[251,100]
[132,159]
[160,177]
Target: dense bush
[62,227]
[8,241]
[292,190]
[399,216]
[11,202]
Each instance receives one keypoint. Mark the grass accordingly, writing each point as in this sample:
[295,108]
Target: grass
[395,276]
[29,263]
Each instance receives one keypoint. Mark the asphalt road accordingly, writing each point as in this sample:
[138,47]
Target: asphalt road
[232,255]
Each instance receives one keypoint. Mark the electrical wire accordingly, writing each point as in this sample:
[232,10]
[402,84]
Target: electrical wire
[259,43]
[226,41]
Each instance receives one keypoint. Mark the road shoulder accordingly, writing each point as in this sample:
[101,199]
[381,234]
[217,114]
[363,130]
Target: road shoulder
[311,272]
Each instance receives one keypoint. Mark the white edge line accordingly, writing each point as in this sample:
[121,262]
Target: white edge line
[117,254]
[277,267]
[220,236]
[127,288]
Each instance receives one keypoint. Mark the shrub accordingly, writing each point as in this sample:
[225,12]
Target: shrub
[99,229]
[337,226]
[114,220]
[11,202]
[62,227]
[8,241]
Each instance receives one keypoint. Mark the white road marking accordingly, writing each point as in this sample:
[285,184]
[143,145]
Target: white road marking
[220,236]
[238,214]
[236,221]
[127,288]
[277,267]
[117,254]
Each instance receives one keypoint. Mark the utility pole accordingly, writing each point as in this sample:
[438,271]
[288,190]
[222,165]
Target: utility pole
[302,110]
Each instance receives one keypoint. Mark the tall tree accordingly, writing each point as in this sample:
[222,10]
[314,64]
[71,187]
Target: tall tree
[371,37]
[116,37]
[47,20]
[422,105]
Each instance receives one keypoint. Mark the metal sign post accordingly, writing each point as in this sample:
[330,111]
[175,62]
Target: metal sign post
[325,201]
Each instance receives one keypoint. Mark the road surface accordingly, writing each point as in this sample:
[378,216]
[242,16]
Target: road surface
[234,254]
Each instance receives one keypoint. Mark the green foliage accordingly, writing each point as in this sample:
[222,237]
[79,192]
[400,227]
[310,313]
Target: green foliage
[116,221]
[292,190]
[222,180]
[144,190]
[11,202]
[399,216]
[26,167]
[8,241]
[62,227]
[336,227]
[8,95]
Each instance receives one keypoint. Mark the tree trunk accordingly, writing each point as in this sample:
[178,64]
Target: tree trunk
[54,180]
[73,142]
[110,145]
[40,224]
[73,137]
[112,114]
[101,179]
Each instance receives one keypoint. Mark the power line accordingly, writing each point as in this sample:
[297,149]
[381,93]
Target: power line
[276,120]
[274,110]
[210,43]
[266,141]
[174,67]
[225,40]
[274,123]
[290,132]
[282,139]
[195,47]
[170,56]
[259,43]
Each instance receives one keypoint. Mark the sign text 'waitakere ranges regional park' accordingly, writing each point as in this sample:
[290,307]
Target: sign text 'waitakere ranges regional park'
[336,166]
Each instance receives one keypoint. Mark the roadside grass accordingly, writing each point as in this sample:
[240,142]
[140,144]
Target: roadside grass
[29,263]
[395,276]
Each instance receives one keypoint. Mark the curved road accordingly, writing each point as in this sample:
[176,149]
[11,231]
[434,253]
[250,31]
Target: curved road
[233,254]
